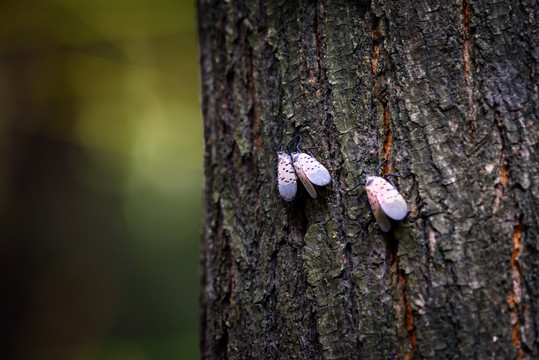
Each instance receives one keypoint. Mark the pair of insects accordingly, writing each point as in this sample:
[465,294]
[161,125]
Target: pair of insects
[384,199]
[303,166]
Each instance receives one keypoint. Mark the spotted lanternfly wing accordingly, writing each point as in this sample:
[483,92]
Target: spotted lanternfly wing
[286,177]
[372,194]
[315,172]
[386,198]
[301,174]
[391,201]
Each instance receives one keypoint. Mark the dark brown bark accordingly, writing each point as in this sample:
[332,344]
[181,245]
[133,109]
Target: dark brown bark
[448,92]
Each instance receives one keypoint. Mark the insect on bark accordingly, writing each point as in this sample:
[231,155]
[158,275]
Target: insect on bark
[384,199]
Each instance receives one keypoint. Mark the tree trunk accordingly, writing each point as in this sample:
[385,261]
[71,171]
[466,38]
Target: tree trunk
[448,92]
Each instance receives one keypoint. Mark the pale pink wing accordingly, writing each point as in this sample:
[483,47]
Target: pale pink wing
[315,172]
[301,175]
[286,177]
[391,201]
[381,218]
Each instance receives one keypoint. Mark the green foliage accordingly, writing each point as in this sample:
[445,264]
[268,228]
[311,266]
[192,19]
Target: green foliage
[113,86]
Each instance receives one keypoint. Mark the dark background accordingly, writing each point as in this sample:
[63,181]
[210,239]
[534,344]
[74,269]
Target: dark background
[100,179]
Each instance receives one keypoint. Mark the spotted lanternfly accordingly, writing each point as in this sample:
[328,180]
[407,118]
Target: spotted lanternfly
[286,177]
[309,171]
[384,199]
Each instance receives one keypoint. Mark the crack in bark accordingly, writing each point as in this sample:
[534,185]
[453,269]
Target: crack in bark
[465,33]
[380,92]
[223,342]
[374,60]
[251,85]
[318,50]
[408,315]
[499,190]
[514,299]
[254,115]
[389,136]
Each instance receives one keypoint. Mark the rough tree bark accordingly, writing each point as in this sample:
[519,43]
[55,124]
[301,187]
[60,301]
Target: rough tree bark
[446,90]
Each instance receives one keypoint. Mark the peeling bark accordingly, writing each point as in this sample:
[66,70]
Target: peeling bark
[448,92]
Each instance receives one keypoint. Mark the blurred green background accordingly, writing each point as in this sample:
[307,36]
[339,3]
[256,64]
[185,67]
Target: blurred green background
[100,179]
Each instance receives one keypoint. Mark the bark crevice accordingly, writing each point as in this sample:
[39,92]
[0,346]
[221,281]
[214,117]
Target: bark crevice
[514,299]
[468,79]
